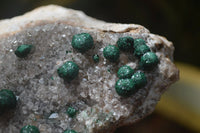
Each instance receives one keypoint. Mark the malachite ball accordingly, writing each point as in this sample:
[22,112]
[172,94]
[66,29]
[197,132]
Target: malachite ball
[29,129]
[140,50]
[68,71]
[95,58]
[71,112]
[69,131]
[111,53]
[125,43]
[125,72]
[82,42]
[138,42]
[148,61]
[23,50]
[7,100]
[139,78]
[125,87]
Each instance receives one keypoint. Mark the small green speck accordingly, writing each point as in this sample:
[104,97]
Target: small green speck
[82,42]
[23,50]
[125,43]
[95,58]
[111,53]
[125,72]
[71,112]
[68,71]
[125,87]
[148,61]
[52,78]
[69,131]
[7,100]
[29,129]
[138,42]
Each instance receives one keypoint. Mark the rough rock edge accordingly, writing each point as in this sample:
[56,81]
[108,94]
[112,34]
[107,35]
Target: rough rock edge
[53,13]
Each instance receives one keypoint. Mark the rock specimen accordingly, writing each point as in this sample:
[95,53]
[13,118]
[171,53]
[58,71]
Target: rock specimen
[46,89]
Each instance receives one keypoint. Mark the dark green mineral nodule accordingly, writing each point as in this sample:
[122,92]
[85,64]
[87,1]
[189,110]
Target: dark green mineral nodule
[140,50]
[125,72]
[95,58]
[149,61]
[23,50]
[125,87]
[7,100]
[68,71]
[111,53]
[69,131]
[71,112]
[139,79]
[125,43]
[138,42]
[82,42]
[29,129]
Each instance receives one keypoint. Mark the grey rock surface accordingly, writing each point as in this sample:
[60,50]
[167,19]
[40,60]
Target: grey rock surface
[43,97]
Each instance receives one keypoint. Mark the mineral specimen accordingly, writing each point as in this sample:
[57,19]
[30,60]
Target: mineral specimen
[38,84]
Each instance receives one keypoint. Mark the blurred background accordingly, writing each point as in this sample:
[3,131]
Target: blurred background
[177,20]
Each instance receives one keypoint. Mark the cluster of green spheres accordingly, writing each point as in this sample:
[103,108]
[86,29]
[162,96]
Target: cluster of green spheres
[29,129]
[129,82]
[7,100]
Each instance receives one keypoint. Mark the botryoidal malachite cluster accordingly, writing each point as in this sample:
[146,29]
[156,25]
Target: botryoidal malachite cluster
[128,83]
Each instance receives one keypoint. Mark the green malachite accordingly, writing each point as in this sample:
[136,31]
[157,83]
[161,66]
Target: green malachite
[68,71]
[125,43]
[125,87]
[140,50]
[95,58]
[148,61]
[82,42]
[138,42]
[125,72]
[111,53]
[71,112]
[139,79]
[22,51]
[7,100]
[29,129]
